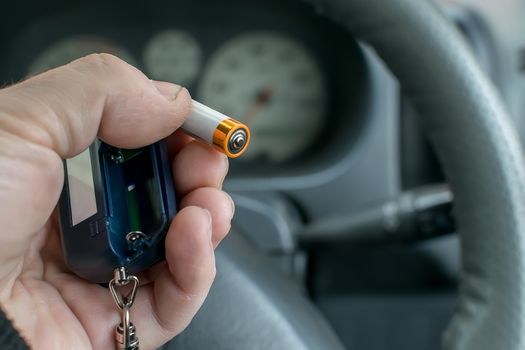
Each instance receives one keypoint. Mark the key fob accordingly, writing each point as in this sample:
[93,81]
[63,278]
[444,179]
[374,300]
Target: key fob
[115,209]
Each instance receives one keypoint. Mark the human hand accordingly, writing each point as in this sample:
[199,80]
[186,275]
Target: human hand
[57,115]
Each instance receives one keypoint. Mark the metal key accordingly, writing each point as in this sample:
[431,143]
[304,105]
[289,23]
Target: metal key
[125,333]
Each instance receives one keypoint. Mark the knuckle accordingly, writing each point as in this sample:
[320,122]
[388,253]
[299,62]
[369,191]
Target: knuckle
[107,60]
[102,63]
[104,60]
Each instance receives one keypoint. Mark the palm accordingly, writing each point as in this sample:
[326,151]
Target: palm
[55,309]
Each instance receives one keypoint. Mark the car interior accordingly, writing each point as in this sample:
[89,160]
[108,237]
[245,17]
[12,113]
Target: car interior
[380,204]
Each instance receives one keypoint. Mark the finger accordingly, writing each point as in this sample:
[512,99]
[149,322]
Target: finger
[151,274]
[182,285]
[64,108]
[198,165]
[219,204]
[221,207]
[176,142]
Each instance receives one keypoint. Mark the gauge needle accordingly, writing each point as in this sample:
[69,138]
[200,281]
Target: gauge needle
[263,97]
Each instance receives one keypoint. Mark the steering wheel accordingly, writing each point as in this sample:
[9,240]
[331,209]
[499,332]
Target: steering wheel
[252,307]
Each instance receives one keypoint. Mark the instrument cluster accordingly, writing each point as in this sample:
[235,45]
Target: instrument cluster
[279,68]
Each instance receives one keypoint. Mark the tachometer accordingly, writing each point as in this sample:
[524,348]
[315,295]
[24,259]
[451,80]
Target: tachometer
[173,56]
[69,49]
[273,84]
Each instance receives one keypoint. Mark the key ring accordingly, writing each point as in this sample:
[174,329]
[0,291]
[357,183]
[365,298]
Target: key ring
[125,333]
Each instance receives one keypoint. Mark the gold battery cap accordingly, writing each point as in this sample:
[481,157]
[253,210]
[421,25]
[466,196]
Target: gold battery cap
[231,137]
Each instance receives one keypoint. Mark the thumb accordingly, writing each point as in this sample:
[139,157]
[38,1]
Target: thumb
[64,108]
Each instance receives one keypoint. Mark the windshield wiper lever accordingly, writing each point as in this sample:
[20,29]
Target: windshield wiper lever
[420,213]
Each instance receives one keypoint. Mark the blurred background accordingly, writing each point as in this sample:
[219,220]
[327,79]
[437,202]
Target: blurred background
[339,185]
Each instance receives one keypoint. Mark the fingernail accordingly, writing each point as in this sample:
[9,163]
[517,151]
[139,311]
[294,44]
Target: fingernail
[208,216]
[168,90]
[232,203]
[227,167]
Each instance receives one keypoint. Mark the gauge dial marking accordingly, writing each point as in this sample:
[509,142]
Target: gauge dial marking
[174,56]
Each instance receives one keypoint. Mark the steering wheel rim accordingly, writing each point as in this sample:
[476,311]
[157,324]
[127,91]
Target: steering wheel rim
[482,159]
[479,149]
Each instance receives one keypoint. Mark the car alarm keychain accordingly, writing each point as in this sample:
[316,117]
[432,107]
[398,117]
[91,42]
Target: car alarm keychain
[117,204]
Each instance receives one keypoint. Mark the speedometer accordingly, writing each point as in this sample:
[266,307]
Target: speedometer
[174,56]
[273,84]
[69,49]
